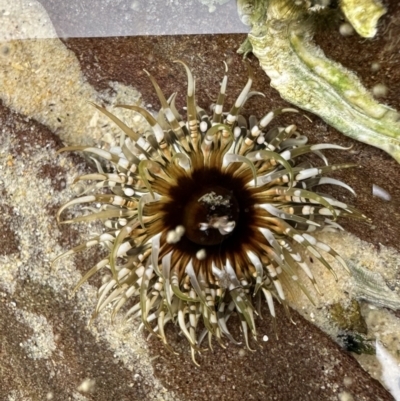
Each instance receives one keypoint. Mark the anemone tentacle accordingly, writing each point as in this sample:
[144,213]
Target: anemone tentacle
[202,218]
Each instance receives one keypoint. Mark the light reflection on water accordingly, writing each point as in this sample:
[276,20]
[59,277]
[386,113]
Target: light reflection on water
[119,18]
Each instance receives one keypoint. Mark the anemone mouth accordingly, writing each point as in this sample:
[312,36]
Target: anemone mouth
[215,208]
[201,218]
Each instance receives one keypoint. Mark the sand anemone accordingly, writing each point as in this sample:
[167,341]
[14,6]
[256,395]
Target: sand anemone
[204,217]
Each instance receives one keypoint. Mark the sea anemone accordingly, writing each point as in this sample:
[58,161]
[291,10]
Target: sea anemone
[204,218]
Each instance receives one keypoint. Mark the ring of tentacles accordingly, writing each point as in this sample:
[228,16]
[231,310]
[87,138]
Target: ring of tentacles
[201,217]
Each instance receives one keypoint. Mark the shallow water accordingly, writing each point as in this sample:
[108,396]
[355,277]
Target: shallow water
[46,84]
